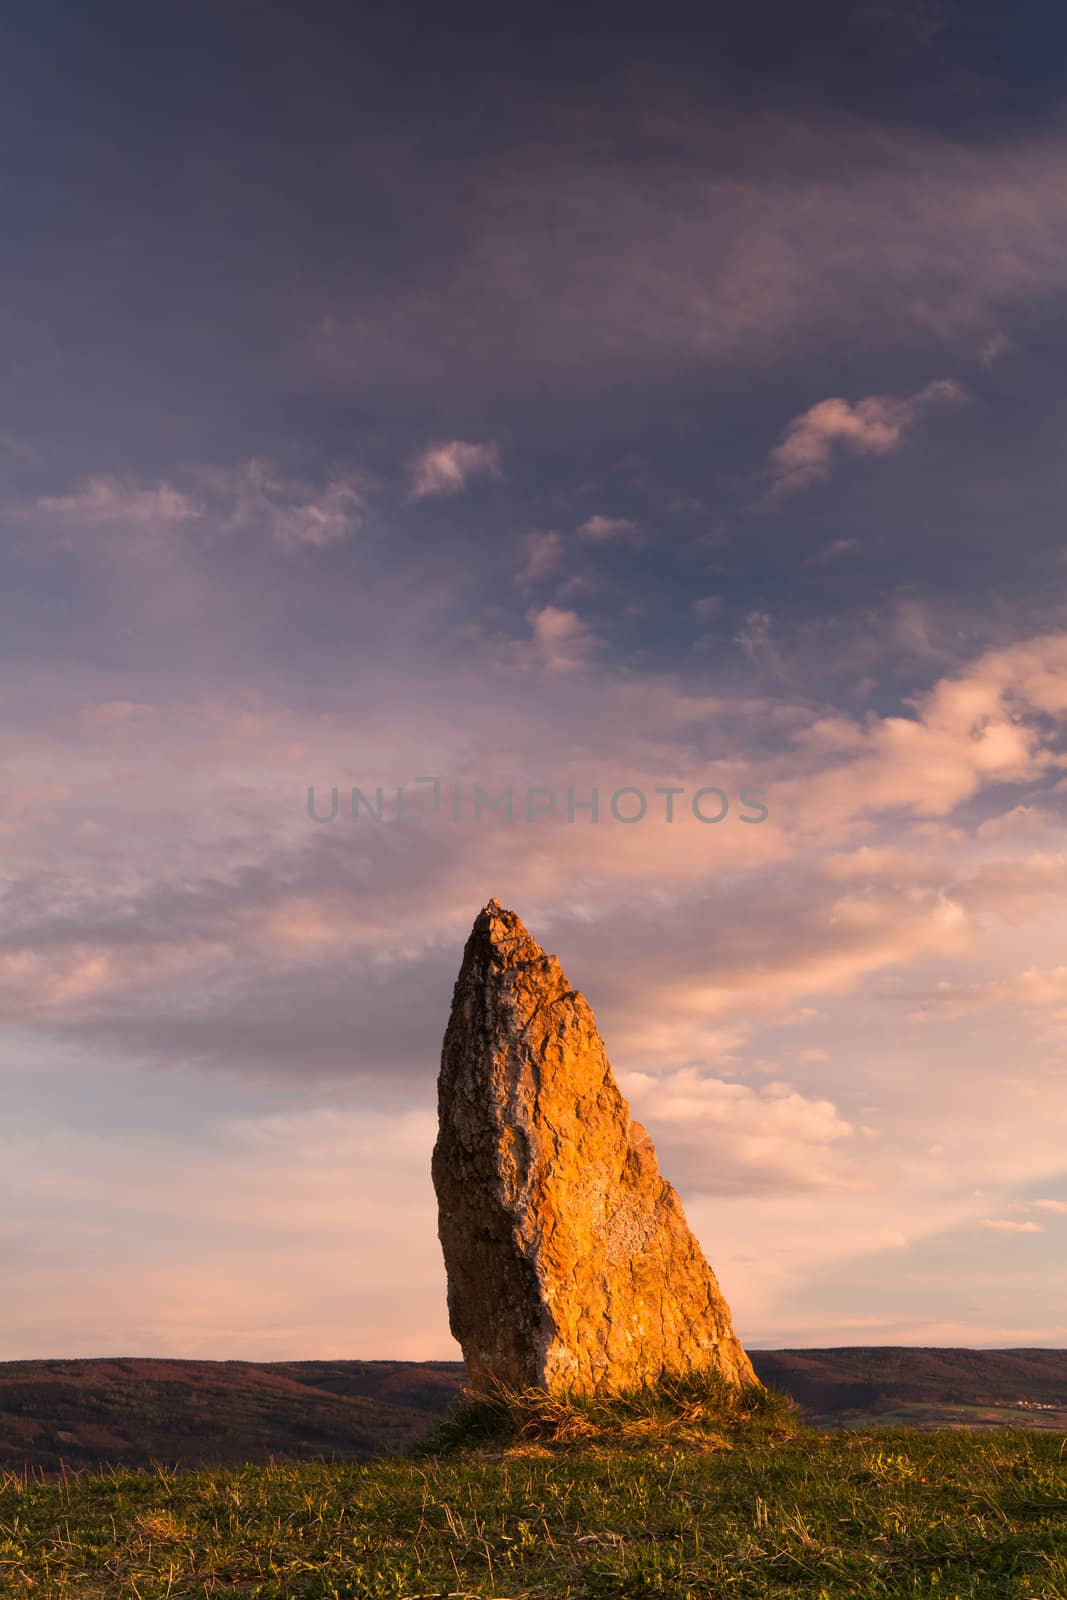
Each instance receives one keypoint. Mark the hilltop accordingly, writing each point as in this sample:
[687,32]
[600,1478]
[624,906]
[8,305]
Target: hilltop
[833,1516]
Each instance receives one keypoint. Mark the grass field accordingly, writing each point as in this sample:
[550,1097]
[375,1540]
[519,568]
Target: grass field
[641,1504]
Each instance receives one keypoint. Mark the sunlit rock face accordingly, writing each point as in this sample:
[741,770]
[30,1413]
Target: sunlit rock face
[570,1264]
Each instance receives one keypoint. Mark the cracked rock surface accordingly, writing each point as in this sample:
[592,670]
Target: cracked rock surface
[569,1260]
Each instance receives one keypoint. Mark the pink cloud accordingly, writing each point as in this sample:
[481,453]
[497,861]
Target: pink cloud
[253,495]
[875,426]
[600,529]
[447,468]
[881,237]
[543,554]
[112,500]
[561,640]
[209,923]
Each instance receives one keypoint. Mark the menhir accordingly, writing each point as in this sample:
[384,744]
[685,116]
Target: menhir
[570,1264]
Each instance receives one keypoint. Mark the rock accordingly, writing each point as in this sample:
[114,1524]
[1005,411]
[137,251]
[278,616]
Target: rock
[570,1264]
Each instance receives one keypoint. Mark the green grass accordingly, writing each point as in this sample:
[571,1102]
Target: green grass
[668,1494]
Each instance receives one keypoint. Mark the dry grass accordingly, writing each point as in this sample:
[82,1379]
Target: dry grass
[699,1409]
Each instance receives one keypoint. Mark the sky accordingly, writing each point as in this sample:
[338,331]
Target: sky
[639,402]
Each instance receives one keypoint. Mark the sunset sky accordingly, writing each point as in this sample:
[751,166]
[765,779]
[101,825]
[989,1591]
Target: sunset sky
[649,398]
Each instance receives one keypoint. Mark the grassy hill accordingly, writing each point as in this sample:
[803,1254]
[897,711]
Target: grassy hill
[134,1412]
[749,1509]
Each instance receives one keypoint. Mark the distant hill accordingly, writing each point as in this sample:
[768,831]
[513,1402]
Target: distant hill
[859,1385]
[135,1411]
[184,1413]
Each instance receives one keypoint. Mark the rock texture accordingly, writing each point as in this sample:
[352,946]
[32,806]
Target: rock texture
[570,1264]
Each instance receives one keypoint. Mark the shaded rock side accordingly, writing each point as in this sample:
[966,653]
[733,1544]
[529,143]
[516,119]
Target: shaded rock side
[569,1261]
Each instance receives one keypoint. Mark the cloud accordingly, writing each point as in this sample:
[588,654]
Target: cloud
[1059,1206]
[754,634]
[997,345]
[599,529]
[1032,988]
[245,948]
[543,552]
[875,426]
[256,495]
[1003,1225]
[723,1137]
[256,892]
[871,862]
[209,925]
[982,726]
[447,468]
[561,640]
[294,514]
[838,547]
[108,500]
[707,254]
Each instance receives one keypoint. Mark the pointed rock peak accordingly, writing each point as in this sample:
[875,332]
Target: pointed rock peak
[569,1260]
[501,936]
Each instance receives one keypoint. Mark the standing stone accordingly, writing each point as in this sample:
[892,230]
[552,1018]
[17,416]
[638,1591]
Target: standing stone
[570,1264]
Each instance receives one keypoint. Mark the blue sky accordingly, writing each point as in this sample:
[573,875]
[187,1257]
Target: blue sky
[623,402]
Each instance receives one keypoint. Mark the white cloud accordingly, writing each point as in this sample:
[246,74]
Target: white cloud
[1059,1206]
[1003,1225]
[448,467]
[875,426]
